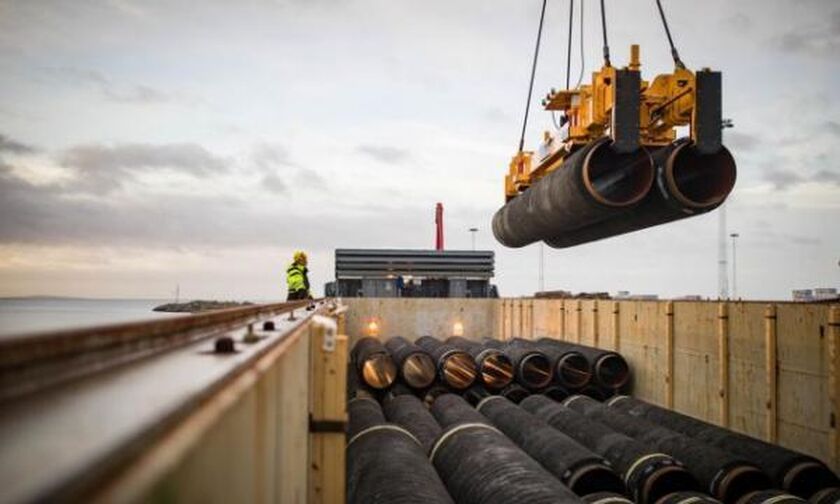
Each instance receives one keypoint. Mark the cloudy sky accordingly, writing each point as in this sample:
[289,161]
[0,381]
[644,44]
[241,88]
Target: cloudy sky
[148,144]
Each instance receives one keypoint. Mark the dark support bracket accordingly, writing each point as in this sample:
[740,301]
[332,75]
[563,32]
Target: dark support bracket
[708,112]
[335,426]
[624,123]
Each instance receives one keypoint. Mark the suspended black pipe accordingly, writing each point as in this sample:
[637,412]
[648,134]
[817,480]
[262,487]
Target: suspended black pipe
[592,185]
[648,474]
[385,463]
[772,497]
[688,498]
[408,411]
[456,368]
[724,476]
[480,465]
[577,467]
[795,472]
[373,364]
[571,368]
[609,369]
[532,368]
[416,367]
[687,184]
[494,367]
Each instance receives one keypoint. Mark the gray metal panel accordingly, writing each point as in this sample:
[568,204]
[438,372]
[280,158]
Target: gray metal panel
[384,263]
[457,287]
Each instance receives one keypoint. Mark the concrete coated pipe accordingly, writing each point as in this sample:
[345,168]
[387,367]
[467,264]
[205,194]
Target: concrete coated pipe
[532,368]
[576,466]
[724,476]
[794,472]
[592,185]
[455,367]
[571,368]
[480,465]
[408,411]
[416,366]
[609,369]
[373,363]
[494,367]
[687,184]
[648,474]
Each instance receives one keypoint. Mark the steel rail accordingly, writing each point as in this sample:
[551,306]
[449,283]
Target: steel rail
[100,427]
[31,362]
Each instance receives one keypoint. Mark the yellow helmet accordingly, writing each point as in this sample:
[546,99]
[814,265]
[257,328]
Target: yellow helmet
[300,257]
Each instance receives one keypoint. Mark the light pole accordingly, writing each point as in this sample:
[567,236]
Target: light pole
[542,267]
[734,237]
[473,231]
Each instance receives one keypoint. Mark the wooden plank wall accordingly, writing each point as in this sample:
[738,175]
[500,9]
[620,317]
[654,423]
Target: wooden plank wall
[768,370]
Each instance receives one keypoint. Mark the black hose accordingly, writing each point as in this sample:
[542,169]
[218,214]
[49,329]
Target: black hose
[723,475]
[648,474]
[385,463]
[576,466]
[416,367]
[794,472]
[609,369]
[456,368]
[373,363]
[408,411]
[494,367]
[480,465]
[771,497]
[571,368]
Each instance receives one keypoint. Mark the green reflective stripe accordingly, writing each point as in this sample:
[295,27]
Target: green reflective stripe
[295,279]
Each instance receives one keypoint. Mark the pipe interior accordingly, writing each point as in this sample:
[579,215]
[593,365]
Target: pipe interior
[496,371]
[665,481]
[535,370]
[596,478]
[612,371]
[418,370]
[702,179]
[809,478]
[618,179]
[379,371]
[747,480]
[573,370]
[459,370]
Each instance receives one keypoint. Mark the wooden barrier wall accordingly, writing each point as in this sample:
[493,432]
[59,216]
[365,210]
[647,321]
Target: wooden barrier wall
[767,370]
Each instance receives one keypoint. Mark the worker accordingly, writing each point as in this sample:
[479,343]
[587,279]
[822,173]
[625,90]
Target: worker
[297,277]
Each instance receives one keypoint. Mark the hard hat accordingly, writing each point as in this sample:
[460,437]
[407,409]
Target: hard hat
[300,257]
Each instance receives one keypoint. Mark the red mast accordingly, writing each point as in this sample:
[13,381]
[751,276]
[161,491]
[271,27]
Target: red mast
[439,226]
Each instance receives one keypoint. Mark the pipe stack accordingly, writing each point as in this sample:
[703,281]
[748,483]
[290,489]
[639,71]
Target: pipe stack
[416,367]
[385,462]
[723,475]
[791,471]
[494,367]
[456,368]
[373,363]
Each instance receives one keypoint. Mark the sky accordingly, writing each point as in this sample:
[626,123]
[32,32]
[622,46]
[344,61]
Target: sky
[154,144]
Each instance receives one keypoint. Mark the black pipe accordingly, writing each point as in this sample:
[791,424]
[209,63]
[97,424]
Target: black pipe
[514,393]
[723,475]
[687,498]
[408,411]
[373,363]
[555,392]
[826,496]
[571,368]
[480,465]
[532,368]
[609,369]
[771,497]
[606,498]
[688,183]
[430,394]
[591,185]
[576,466]
[456,368]
[385,463]
[356,388]
[416,367]
[795,472]
[494,367]
[649,475]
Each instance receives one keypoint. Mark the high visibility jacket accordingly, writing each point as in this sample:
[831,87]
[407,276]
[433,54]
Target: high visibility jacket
[297,278]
